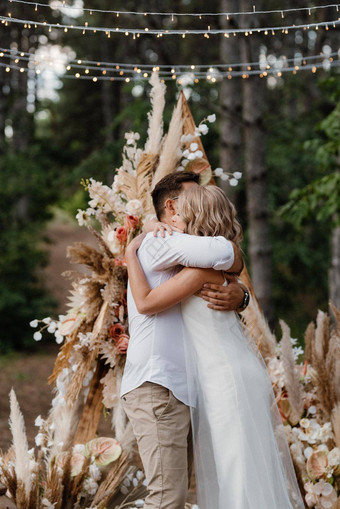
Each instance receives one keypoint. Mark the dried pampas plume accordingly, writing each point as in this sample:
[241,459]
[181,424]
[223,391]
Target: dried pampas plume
[291,376]
[171,147]
[258,328]
[336,424]
[20,445]
[155,117]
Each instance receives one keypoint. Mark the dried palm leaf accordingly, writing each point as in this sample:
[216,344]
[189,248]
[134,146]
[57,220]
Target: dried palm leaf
[144,173]
[86,255]
[202,165]
[291,376]
[169,157]
[9,477]
[127,184]
[102,244]
[109,487]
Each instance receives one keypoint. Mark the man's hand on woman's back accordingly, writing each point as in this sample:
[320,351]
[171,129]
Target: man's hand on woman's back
[224,298]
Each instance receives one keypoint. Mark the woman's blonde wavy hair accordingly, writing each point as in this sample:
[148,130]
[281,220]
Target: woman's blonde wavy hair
[207,211]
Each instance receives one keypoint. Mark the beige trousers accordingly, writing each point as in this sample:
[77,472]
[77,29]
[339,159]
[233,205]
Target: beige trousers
[161,424]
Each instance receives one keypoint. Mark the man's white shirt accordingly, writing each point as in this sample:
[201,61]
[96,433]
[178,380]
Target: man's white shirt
[156,347]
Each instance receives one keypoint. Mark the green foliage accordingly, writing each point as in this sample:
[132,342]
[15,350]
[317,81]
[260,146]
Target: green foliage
[26,188]
[319,200]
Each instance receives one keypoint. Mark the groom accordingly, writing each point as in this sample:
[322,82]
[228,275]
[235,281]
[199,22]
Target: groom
[154,385]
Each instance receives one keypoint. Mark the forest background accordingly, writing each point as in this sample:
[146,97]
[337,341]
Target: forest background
[282,133]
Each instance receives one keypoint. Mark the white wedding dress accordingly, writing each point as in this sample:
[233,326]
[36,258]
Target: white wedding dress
[242,458]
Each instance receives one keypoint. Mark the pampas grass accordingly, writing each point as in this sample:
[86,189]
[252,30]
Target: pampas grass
[336,423]
[309,340]
[291,376]
[169,157]
[155,117]
[258,328]
[20,447]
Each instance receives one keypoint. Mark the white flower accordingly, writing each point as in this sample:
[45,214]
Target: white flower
[52,327]
[37,336]
[191,156]
[59,338]
[233,182]
[193,147]
[47,504]
[211,118]
[139,475]
[82,217]
[307,452]
[140,503]
[184,162]
[224,177]
[312,409]
[34,323]
[131,137]
[79,448]
[95,472]
[218,172]
[297,351]
[305,423]
[237,174]
[39,421]
[134,207]
[124,490]
[47,320]
[39,439]
[198,154]
[334,456]
[90,486]
[203,128]
[185,153]
[186,137]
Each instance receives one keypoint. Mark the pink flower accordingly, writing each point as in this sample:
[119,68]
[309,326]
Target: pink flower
[122,343]
[122,234]
[116,330]
[131,222]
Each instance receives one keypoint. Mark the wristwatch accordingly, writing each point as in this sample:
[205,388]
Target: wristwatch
[245,301]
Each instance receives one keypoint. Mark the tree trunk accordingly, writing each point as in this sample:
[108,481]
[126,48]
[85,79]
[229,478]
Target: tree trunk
[334,271]
[231,96]
[106,94]
[254,100]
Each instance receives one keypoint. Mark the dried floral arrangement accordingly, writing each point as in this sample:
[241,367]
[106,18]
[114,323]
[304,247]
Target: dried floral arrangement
[71,467]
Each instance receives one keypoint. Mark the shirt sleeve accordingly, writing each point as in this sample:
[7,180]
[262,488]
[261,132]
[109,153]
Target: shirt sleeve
[189,251]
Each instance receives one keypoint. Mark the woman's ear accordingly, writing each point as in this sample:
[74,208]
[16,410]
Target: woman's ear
[169,206]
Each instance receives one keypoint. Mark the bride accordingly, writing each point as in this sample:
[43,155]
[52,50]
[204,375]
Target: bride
[242,459]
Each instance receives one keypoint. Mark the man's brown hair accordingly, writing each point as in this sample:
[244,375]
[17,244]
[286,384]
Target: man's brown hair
[169,187]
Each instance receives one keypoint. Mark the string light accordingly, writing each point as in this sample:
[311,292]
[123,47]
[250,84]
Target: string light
[189,15]
[115,67]
[196,78]
[160,32]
